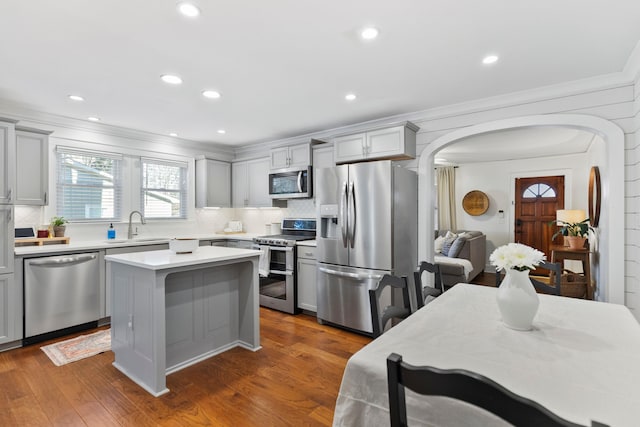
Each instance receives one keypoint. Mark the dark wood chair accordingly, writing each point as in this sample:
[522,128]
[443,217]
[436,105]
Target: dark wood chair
[466,386]
[555,270]
[380,316]
[424,292]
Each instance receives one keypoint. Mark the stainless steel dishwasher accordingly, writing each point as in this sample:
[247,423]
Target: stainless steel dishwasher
[61,294]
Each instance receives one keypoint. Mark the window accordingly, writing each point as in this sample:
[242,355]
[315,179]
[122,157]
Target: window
[89,185]
[538,190]
[163,189]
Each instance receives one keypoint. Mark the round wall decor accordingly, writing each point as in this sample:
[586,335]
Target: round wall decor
[475,203]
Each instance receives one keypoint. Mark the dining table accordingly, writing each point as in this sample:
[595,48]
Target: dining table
[580,360]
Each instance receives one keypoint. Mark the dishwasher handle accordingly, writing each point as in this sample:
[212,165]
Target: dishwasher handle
[57,262]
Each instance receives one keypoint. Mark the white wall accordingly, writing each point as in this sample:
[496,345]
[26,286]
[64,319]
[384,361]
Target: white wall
[632,200]
[496,179]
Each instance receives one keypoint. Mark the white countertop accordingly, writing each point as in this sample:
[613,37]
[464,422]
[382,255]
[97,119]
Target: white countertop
[118,243]
[163,259]
[307,243]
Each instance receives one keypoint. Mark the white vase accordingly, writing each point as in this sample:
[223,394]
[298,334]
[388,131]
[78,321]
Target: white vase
[517,300]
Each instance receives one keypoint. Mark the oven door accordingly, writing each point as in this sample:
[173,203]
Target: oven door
[277,290]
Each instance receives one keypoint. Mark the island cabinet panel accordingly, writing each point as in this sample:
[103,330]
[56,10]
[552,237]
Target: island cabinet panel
[202,309]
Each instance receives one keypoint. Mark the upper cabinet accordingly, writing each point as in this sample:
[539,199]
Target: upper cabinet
[395,142]
[292,156]
[250,184]
[213,183]
[7,161]
[32,182]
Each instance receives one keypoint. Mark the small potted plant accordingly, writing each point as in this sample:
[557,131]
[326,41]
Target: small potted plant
[576,233]
[58,225]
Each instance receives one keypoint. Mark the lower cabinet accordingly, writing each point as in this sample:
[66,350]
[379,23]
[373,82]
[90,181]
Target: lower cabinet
[306,274]
[9,315]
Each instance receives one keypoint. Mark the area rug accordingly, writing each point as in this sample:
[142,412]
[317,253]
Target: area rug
[78,348]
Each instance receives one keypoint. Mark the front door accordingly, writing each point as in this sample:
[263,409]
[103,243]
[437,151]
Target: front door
[537,200]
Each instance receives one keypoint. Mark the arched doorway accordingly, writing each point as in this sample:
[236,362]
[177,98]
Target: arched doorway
[611,234]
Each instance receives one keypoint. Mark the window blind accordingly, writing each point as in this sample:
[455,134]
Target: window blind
[163,188]
[89,185]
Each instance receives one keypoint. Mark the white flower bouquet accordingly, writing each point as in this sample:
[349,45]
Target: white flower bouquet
[516,256]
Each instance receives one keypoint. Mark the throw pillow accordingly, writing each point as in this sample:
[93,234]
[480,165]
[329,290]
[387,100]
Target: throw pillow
[456,247]
[438,244]
[448,242]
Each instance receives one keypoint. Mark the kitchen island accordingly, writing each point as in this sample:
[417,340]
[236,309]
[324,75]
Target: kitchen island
[173,310]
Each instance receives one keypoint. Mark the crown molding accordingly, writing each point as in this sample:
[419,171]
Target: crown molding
[22,113]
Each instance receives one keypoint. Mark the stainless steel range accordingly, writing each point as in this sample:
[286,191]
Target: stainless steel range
[278,282]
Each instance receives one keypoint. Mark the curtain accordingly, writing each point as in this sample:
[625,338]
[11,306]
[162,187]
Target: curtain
[446,179]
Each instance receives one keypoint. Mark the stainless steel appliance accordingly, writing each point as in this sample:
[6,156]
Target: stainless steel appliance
[61,295]
[278,287]
[367,218]
[291,183]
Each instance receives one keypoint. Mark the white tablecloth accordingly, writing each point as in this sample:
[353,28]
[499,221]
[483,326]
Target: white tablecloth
[581,360]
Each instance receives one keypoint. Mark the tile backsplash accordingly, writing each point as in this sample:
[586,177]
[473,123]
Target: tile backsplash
[205,221]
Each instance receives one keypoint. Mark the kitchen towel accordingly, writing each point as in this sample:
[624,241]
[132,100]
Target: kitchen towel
[263,264]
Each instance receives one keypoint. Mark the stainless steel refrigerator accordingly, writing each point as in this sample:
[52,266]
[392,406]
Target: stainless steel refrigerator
[367,227]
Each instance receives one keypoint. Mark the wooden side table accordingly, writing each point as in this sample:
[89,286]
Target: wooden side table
[562,253]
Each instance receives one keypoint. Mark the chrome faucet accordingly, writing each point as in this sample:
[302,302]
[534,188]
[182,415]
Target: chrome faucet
[130,232]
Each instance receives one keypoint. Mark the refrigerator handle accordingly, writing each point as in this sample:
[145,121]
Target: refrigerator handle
[352,214]
[343,214]
[350,275]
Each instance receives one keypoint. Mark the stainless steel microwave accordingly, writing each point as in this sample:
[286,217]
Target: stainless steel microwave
[291,183]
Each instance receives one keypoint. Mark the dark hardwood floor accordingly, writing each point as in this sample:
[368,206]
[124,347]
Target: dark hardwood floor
[292,381]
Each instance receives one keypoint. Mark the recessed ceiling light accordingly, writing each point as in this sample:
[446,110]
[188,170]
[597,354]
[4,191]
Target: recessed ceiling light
[76,98]
[350,96]
[93,119]
[490,59]
[369,33]
[222,131]
[171,79]
[188,9]
[173,134]
[211,94]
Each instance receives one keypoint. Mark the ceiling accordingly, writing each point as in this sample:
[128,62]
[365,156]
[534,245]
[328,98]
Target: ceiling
[517,143]
[283,67]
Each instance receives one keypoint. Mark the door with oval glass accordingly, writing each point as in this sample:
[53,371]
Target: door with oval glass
[537,200]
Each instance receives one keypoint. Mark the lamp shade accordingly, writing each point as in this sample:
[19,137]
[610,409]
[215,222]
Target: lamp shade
[570,216]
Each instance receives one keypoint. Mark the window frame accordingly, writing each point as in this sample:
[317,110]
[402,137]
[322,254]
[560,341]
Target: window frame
[117,175]
[183,191]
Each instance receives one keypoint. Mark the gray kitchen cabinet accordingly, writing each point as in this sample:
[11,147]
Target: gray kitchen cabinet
[394,142]
[6,238]
[306,274]
[7,161]
[242,244]
[250,183]
[213,183]
[9,317]
[32,178]
[217,242]
[322,158]
[292,156]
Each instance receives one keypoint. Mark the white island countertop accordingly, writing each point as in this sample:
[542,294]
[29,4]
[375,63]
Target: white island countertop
[163,259]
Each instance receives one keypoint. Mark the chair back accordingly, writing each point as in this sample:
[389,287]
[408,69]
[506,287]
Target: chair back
[466,386]
[379,315]
[555,270]
[423,292]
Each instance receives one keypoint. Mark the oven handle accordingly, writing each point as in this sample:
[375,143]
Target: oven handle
[350,275]
[274,248]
